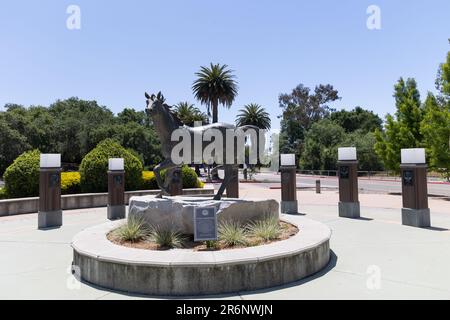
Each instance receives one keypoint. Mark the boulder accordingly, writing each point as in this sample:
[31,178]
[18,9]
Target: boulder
[178,211]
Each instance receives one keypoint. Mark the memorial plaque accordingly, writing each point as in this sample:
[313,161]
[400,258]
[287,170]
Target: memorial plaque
[344,172]
[205,224]
[118,180]
[54,180]
[408,177]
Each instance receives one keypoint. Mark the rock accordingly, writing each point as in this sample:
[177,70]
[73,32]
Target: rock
[178,211]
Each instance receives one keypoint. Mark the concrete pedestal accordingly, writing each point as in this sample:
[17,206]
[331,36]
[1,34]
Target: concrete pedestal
[49,213]
[416,217]
[49,219]
[116,212]
[349,209]
[289,207]
[415,211]
[116,194]
[289,203]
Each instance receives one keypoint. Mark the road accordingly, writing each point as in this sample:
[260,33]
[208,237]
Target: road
[373,185]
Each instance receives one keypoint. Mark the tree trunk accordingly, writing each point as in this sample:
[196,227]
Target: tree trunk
[214,172]
[215,111]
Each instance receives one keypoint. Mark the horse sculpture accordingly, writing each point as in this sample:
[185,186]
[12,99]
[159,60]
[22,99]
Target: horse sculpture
[166,122]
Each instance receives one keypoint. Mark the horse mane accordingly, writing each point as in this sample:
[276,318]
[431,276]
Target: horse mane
[173,114]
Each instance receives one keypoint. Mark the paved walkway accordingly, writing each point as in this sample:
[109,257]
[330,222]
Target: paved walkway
[374,257]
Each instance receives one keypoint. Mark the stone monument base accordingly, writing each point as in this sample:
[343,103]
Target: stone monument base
[289,207]
[49,219]
[116,212]
[349,209]
[416,217]
[178,212]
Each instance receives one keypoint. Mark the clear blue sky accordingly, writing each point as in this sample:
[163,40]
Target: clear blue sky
[127,47]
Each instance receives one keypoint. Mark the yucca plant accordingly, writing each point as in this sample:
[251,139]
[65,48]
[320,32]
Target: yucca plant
[231,234]
[133,230]
[266,229]
[166,237]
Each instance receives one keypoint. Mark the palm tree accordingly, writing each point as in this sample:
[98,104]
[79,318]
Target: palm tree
[215,85]
[188,114]
[255,115]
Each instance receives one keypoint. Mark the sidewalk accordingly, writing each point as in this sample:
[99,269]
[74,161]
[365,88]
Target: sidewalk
[410,263]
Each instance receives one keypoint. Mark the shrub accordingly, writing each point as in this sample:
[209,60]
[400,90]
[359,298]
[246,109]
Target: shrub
[94,166]
[190,179]
[166,237]
[149,181]
[22,176]
[3,194]
[70,182]
[231,234]
[134,230]
[266,229]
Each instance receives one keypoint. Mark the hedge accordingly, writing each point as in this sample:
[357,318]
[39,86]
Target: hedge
[22,176]
[189,177]
[94,167]
[70,182]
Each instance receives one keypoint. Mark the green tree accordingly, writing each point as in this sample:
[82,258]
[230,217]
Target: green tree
[130,115]
[403,129]
[443,78]
[301,109]
[321,143]
[75,122]
[215,85]
[365,146]
[357,119]
[189,114]
[12,144]
[255,115]
[435,126]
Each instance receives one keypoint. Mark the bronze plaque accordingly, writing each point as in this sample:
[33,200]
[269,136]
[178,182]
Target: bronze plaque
[408,177]
[344,172]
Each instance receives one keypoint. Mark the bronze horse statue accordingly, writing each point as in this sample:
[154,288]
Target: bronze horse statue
[166,122]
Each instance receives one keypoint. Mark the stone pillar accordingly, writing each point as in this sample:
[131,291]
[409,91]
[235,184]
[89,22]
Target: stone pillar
[289,203]
[176,185]
[317,186]
[116,189]
[233,186]
[348,183]
[50,213]
[415,211]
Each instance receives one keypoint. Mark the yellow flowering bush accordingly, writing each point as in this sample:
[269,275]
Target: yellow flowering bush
[70,182]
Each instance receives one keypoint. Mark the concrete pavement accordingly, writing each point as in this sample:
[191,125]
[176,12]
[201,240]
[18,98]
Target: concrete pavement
[374,257]
[372,185]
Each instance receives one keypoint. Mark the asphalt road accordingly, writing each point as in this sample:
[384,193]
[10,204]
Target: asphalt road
[373,185]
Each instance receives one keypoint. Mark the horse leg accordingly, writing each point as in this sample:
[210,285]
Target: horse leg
[224,184]
[166,164]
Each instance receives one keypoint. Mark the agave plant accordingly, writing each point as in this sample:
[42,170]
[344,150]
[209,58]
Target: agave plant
[266,229]
[166,237]
[231,233]
[133,230]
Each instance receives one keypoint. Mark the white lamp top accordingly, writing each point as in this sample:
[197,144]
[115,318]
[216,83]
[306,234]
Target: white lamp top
[50,160]
[288,159]
[347,154]
[413,155]
[115,164]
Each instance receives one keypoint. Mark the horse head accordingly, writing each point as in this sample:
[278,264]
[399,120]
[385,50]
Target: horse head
[155,103]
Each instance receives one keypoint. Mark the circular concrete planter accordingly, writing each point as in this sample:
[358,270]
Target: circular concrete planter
[186,272]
